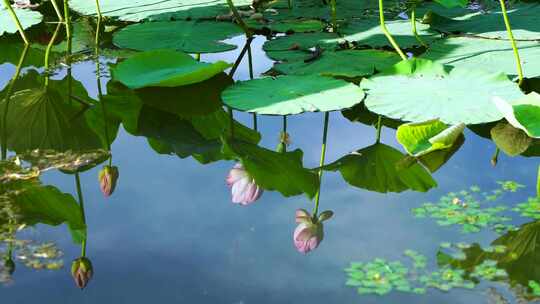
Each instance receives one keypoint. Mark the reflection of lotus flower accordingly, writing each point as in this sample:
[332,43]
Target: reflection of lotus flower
[243,188]
[25,4]
[309,233]
[82,271]
[108,176]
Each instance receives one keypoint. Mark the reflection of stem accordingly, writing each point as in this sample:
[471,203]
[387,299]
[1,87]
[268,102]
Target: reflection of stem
[57,10]
[284,134]
[48,53]
[16,20]
[413,23]
[495,157]
[334,17]
[231,119]
[321,164]
[239,19]
[100,89]
[8,97]
[240,56]
[81,206]
[387,34]
[289,4]
[379,127]
[512,40]
[98,10]
[251,76]
[198,56]
[67,20]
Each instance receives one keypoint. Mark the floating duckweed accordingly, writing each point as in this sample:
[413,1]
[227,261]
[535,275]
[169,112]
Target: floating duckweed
[465,209]
[446,279]
[378,277]
[488,271]
[529,209]
[420,261]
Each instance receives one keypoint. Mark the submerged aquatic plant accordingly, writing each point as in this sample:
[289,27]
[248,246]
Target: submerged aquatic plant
[244,189]
[465,209]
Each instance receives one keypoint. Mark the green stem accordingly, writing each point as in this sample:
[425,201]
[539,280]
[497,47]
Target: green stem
[48,53]
[379,127]
[241,56]
[284,134]
[9,92]
[414,30]
[98,10]
[387,34]
[16,20]
[321,164]
[57,10]
[67,19]
[198,56]
[251,76]
[239,19]
[81,207]
[99,87]
[231,121]
[289,4]
[495,157]
[513,41]
[334,14]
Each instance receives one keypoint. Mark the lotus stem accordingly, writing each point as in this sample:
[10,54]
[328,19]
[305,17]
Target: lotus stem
[241,56]
[387,33]
[415,32]
[379,128]
[81,207]
[48,52]
[513,41]
[198,56]
[334,14]
[283,137]
[57,10]
[67,19]
[289,4]
[239,19]
[251,76]
[321,163]
[8,96]
[98,10]
[16,20]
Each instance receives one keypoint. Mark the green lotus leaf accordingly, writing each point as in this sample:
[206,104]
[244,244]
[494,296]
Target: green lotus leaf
[26,17]
[524,18]
[375,168]
[523,113]
[452,3]
[165,68]
[369,32]
[186,36]
[271,170]
[287,95]
[301,41]
[137,10]
[433,161]
[346,63]
[285,26]
[423,90]
[359,113]
[488,54]
[425,137]
[510,140]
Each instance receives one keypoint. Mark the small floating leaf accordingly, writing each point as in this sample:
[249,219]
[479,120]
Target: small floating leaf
[425,137]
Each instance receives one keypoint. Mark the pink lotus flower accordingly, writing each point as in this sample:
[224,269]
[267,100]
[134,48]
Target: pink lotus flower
[82,272]
[25,4]
[309,233]
[108,176]
[244,190]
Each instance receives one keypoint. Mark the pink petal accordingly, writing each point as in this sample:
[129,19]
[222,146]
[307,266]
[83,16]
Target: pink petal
[302,216]
[235,175]
[239,189]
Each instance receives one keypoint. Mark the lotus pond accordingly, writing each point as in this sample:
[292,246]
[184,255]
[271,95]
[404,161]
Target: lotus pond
[289,151]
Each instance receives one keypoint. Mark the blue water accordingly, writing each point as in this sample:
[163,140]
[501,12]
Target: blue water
[170,234]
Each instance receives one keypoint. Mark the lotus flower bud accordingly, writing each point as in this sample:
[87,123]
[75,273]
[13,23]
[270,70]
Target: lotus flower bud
[108,176]
[82,271]
[310,232]
[244,190]
[9,265]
